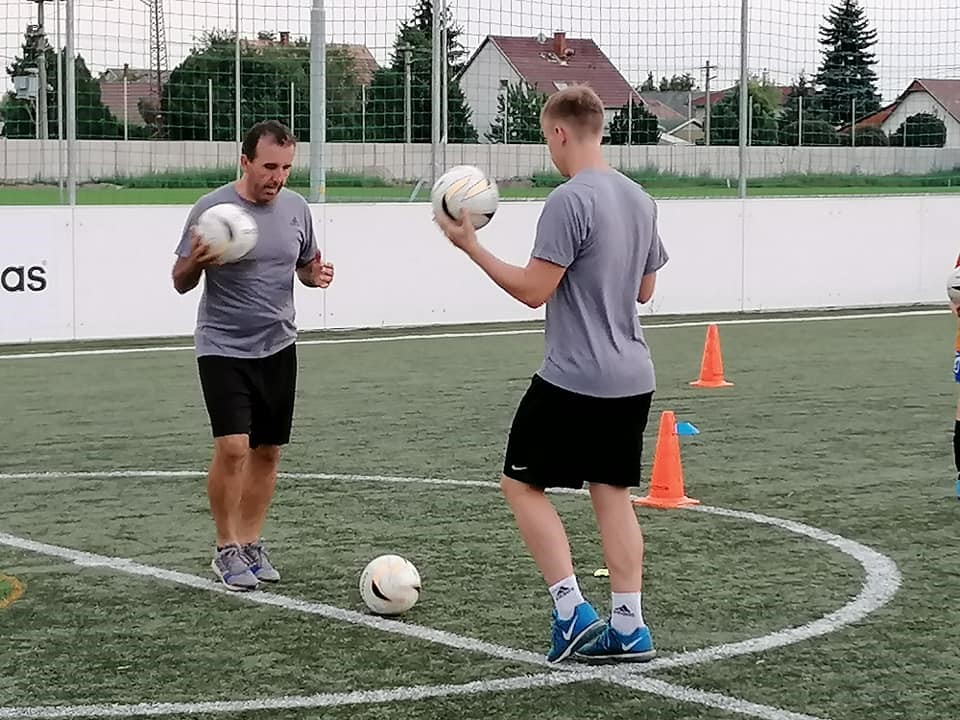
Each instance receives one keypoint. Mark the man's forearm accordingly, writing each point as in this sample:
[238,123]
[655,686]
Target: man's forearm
[186,278]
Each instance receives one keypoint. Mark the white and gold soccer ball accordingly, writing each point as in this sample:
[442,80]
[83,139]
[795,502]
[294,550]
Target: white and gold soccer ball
[390,585]
[230,228]
[466,188]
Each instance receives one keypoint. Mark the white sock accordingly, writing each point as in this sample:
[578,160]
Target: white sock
[566,596]
[627,615]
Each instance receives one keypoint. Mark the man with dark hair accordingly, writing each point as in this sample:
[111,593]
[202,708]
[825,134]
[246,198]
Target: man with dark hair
[596,254]
[245,342]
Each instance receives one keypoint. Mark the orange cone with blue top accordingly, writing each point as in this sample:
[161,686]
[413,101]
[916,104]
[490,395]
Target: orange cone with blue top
[666,480]
[711,365]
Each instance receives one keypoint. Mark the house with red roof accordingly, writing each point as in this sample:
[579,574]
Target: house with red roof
[548,64]
[937,97]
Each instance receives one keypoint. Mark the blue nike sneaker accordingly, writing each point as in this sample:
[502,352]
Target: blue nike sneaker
[570,634]
[611,646]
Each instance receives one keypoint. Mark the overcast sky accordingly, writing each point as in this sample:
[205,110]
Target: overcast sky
[917,38]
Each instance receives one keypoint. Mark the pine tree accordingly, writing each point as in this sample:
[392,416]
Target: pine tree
[846,73]
[644,129]
[385,100]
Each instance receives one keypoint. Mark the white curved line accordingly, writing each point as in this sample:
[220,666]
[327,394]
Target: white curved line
[881,582]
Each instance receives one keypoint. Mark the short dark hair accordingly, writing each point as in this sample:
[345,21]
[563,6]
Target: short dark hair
[273,129]
[578,105]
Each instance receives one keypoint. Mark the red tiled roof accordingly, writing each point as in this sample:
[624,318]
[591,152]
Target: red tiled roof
[663,112]
[715,97]
[876,119]
[111,93]
[559,59]
[365,65]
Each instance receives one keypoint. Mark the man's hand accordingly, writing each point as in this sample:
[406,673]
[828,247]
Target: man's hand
[317,274]
[201,254]
[187,270]
[955,308]
[459,232]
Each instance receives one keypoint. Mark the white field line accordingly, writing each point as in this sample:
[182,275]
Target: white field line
[287,702]
[880,584]
[618,676]
[480,334]
[881,576]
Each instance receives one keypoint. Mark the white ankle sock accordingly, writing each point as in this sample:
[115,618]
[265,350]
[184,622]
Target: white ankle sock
[627,614]
[566,596]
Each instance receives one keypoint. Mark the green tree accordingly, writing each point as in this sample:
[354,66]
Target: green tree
[385,99]
[815,132]
[920,130]
[267,72]
[846,73]
[677,82]
[521,106]
[803,96]
[94,119]
[644,129]
[725,116]
[870,136]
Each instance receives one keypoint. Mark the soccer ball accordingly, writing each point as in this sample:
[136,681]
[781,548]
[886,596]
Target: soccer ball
[953,286]
[230,228]
[390,585]
[466,188]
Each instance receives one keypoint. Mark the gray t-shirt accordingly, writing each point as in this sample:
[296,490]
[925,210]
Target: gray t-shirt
[602,227]
[246,309]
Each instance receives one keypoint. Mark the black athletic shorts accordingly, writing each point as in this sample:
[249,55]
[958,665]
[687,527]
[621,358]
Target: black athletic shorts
[251,396]
[561,438]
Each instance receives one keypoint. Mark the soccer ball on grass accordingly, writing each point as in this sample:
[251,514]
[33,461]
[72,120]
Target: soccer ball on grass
[390,585]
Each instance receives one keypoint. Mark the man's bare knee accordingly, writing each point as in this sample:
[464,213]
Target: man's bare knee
[230,451]
[267,454]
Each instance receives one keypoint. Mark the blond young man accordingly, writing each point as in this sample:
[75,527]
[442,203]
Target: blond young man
[582,419]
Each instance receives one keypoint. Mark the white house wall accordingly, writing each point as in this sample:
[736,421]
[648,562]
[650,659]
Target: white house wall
[481,86]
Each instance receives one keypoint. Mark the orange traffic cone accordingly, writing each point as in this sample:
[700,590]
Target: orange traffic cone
[711,366]
[666,480]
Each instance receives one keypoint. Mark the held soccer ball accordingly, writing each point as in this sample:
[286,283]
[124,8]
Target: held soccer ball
[390,585]
[466,188]
[953,286]
[228,227]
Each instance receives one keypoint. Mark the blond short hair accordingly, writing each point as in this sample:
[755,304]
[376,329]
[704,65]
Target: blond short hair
[578,106]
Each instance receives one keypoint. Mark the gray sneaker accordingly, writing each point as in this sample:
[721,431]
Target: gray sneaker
[230,566]
[259,562]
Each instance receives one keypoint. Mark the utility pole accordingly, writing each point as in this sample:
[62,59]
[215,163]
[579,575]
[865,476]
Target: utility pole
[707,104]
[37,39]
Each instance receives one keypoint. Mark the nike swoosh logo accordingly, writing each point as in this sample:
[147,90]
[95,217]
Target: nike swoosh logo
[568,633]
[630,645]
[518,468]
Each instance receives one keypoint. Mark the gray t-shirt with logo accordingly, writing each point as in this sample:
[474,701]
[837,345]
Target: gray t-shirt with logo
[246,309]
[602,227]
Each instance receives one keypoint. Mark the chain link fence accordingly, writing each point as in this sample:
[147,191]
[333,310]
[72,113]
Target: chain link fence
[154,95]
